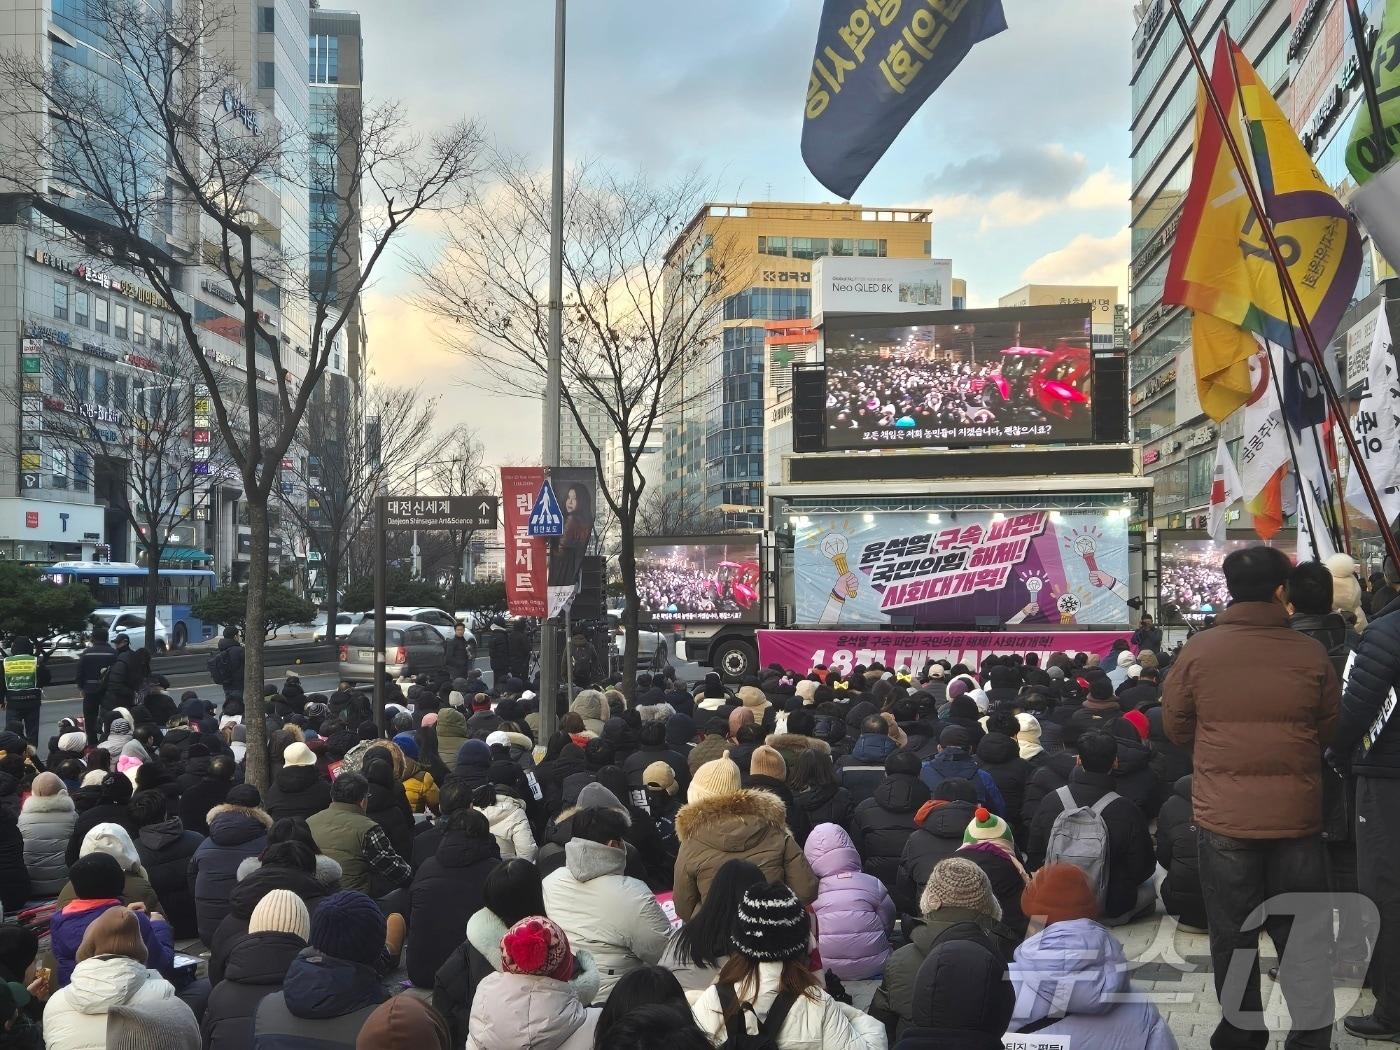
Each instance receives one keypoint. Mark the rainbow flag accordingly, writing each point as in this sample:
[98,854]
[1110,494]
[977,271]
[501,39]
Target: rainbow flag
[1221,266]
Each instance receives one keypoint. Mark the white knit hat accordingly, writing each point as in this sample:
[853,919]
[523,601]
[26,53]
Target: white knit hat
[281,911]
[298,754]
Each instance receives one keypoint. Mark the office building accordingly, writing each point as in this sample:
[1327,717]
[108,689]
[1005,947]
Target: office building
[1103,299]
[68,310]
[763,252]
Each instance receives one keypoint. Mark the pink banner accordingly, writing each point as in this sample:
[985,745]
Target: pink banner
[802,650]
[526,578]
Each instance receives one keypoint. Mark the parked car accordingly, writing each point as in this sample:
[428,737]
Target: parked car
[651,643]
[128,620]
[344,623]
[411,648]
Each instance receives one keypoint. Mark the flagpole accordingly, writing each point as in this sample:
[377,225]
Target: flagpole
[1293,453]
[1392,545]
[1368,84]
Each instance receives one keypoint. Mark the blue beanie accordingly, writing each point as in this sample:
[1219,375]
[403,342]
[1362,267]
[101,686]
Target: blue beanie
[407,745]
[349,925]
[474,753]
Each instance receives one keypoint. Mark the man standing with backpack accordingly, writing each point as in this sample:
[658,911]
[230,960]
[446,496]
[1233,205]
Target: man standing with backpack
[226,669]
[92,680]
[1088,824]
[1258,702]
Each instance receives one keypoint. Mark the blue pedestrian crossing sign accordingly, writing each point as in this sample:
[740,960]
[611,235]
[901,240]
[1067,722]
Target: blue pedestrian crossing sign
[546,519]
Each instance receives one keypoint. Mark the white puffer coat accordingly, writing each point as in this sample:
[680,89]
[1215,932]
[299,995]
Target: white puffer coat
[812,1024]
[511,827]
[76,1017]
[612,917]
[514,1012]
[47,824]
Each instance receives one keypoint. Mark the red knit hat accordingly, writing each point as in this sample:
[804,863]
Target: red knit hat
[1138,721]
[1059,893]
[536,947]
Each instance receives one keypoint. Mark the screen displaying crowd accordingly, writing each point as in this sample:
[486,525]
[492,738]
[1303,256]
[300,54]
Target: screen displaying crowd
[699,582]
[1191,580]
[1007,381]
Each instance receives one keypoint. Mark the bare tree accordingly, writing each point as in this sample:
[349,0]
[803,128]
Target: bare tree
[683,512]
[632,322]
[460,471]
[166,139]
[137,438]
[362,445]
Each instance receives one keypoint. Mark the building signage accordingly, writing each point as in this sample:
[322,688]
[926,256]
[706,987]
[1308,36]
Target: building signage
[843,285]
[44,332]
[49,521]
[240,109]
[219,292]
[84,272]
[98,350]
[139,361]
[1151,456]
[787,276]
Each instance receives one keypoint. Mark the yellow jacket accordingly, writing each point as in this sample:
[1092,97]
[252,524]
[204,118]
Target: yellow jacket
[421,791]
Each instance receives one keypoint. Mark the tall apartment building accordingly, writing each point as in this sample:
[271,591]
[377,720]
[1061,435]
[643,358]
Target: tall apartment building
[67,306]
[764,251]
[1304,52]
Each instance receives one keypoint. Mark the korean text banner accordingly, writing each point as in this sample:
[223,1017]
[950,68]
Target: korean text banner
[526,571]
[801,650]
[876,62]
[944,569]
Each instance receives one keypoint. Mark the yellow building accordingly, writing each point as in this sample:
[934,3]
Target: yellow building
[764,253]
[1102,297]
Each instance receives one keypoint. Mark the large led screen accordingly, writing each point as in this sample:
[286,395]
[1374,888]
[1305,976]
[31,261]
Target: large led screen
[960,378]
[1192,584]
[715,579]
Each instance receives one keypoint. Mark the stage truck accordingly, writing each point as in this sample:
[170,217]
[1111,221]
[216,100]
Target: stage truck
[960,484]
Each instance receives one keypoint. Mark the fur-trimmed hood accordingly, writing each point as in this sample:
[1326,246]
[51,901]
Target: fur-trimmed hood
[327,871]
[260,815]
[797,743]
[734,822]
[60,803]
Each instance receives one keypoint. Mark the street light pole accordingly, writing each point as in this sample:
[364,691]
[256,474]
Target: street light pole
[549,642]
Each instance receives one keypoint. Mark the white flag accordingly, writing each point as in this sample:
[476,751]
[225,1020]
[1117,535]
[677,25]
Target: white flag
[1264,446]
[1312,526]
[1376,426]
[1225,488]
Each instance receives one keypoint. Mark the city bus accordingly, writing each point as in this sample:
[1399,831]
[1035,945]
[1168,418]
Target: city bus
[124,584]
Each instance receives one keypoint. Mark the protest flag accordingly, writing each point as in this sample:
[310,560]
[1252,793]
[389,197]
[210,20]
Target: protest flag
[1225,488]
[875,64]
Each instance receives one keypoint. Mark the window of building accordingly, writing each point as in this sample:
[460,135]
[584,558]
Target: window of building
[138,327]
[809,247]
[843,246]
[267,20]
[82,471]
[58,370]
[58,467]
[99,314]
[772,246]
[869,248]
[80,308]
[119,320]
[101,386]
[1199,471]
[119,389]
[80,383]
[60,300]
[157,332]
[267,74]
[324,59]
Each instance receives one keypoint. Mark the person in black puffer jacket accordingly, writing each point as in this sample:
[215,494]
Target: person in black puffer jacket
[817,792]
[652,747]
[882,824]
[446,893]
[941,823]
[1000,755]
[256,968]
[113,795]
[165,848]
[387,805]
[1051,775]
[1176,760]
[14,876]
[1137,774]
[298,789]
[1182,896]
[860,771]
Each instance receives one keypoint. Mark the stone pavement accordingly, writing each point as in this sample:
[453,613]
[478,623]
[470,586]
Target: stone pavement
[1174,966]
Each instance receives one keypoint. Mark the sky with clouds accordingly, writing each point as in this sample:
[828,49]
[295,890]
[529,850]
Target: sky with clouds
[1022,154]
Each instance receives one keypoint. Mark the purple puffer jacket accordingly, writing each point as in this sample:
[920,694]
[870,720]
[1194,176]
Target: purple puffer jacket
[854,912]
[67,927]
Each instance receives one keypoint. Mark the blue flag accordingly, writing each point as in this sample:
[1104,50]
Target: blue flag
[876,63]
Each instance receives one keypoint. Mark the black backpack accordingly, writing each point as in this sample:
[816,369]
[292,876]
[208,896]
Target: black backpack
[220,667]
[737,1035]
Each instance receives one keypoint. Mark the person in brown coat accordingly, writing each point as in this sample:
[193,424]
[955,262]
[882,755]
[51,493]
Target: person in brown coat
[720,822]
[1259,702]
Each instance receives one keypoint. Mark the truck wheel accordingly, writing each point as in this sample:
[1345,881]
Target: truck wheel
[735,660]
[181,638]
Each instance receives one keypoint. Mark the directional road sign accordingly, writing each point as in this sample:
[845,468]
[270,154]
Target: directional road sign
[438,512]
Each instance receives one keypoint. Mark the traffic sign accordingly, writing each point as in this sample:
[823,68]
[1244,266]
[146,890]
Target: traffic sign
[546,519]
[438,512]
